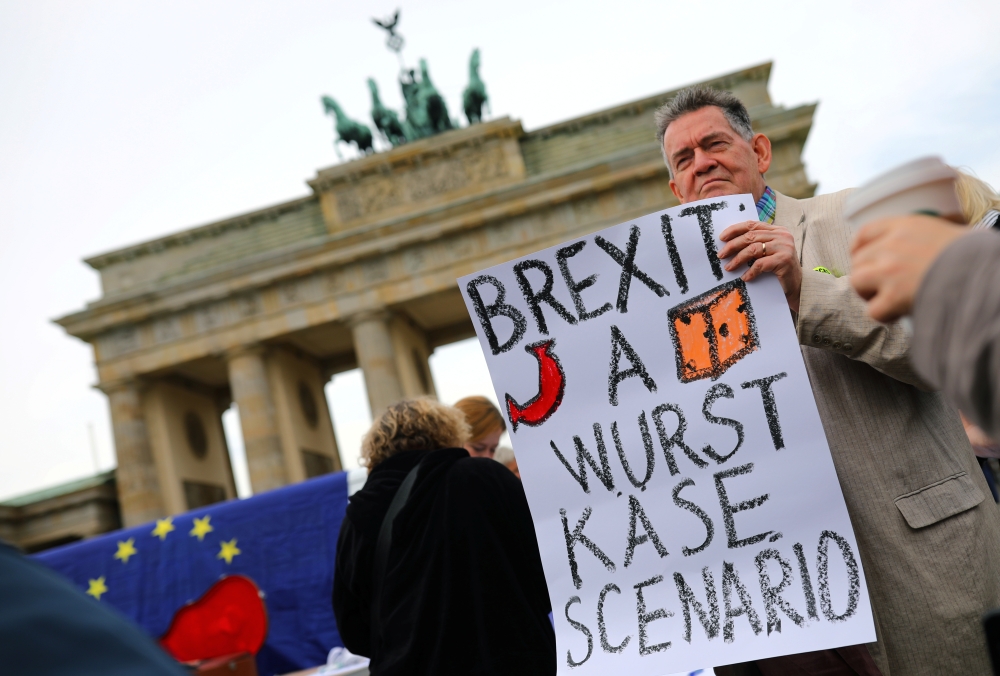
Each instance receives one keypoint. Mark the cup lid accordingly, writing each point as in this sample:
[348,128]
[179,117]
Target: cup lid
[905,177]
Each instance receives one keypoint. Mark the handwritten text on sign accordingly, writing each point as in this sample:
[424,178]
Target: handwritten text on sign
[685,502]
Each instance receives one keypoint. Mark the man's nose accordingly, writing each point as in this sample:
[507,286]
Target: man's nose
[703,162]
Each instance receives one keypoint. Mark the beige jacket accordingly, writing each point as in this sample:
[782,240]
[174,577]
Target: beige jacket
[929,537]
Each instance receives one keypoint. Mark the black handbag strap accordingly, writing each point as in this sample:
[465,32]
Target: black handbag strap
[382,547]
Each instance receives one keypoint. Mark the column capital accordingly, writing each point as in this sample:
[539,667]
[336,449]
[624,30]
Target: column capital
[110,387]
[252,349]
[373,314]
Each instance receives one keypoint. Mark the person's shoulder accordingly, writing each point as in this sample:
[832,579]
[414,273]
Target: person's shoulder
[478,467]
[822,202]
[823,211]
[482,474]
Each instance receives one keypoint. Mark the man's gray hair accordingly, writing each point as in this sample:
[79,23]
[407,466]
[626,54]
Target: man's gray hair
[695,98]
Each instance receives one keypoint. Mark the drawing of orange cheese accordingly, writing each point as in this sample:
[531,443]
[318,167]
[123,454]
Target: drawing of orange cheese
[713,331]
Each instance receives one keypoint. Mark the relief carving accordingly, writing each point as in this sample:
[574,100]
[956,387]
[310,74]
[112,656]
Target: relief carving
[167,330]
[209,317]
[375,270]
[119,342]
[500,235]
[381,193]
[246,306]
[436,179]
[334,282]
[368,197]
[585,209]
[629,197]
[288,293]
[300,290]
[414,259]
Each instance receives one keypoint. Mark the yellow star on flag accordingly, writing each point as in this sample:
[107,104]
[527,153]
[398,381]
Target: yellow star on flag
[97,587]
[202,527]
[163,526]
[228,550]
[125,550]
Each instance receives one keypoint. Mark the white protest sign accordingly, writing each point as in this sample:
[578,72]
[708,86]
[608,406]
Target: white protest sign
[685,502]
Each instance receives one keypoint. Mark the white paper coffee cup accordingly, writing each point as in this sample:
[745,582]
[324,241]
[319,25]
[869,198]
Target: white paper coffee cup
[925,185]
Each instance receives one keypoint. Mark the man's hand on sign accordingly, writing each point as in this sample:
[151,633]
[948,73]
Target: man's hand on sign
[765,248]
[890,256]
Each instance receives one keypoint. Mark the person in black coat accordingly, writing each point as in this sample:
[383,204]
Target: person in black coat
[463,590]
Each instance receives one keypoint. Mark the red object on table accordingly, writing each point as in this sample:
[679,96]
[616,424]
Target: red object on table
[229,618]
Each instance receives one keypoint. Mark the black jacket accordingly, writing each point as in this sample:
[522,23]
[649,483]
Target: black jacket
[464,591]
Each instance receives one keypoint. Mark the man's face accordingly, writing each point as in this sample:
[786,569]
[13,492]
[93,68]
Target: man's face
[709,159]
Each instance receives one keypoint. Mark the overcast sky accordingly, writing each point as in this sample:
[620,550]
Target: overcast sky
[124,121]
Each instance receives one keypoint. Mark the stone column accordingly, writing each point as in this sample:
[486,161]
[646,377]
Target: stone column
[258,418]
[139,492]
[377,358]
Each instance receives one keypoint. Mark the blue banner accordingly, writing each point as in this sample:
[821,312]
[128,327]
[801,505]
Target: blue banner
[284,540]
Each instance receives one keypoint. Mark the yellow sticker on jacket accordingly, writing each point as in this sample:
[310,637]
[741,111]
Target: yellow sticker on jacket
[820,268]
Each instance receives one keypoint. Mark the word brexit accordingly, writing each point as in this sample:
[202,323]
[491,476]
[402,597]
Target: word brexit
[535,298]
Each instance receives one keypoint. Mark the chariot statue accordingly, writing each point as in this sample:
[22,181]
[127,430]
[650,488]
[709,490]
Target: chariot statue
[426,112]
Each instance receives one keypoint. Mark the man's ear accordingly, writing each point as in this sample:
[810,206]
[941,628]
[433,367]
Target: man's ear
[762,149]
[675,191]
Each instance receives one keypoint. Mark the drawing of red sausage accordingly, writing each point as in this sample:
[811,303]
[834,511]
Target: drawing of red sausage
[551,385]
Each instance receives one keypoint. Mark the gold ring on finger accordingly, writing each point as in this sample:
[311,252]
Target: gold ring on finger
[763,249]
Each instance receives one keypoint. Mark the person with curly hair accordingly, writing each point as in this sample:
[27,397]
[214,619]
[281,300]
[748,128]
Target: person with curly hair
[437,569]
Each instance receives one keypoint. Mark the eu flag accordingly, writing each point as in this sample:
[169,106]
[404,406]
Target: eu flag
[284,540]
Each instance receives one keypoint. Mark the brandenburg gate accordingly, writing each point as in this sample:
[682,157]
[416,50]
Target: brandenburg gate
[262,309]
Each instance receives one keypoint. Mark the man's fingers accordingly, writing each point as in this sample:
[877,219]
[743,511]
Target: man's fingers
[737,229]
[869,233]
[751,252]
[768,245]
[769,263]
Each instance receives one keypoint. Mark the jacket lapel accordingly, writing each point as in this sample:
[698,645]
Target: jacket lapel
[789,215]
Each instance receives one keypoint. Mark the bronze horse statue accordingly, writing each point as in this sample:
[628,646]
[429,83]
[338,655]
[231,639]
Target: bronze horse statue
[474,96]
[348,130]
[432,102]
[386,120]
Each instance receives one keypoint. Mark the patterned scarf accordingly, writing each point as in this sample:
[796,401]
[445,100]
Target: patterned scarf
[766,206]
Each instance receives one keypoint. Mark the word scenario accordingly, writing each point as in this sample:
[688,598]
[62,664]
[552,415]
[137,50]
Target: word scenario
[686,506]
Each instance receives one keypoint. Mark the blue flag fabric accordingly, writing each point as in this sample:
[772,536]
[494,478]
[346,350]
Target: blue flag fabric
[284,540]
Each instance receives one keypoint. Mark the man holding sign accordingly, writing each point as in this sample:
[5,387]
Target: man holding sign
[927,536]
[685,501]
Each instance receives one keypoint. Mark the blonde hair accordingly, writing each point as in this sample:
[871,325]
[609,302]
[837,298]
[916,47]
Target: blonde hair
[976,197]
[410,425]
[483,417]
